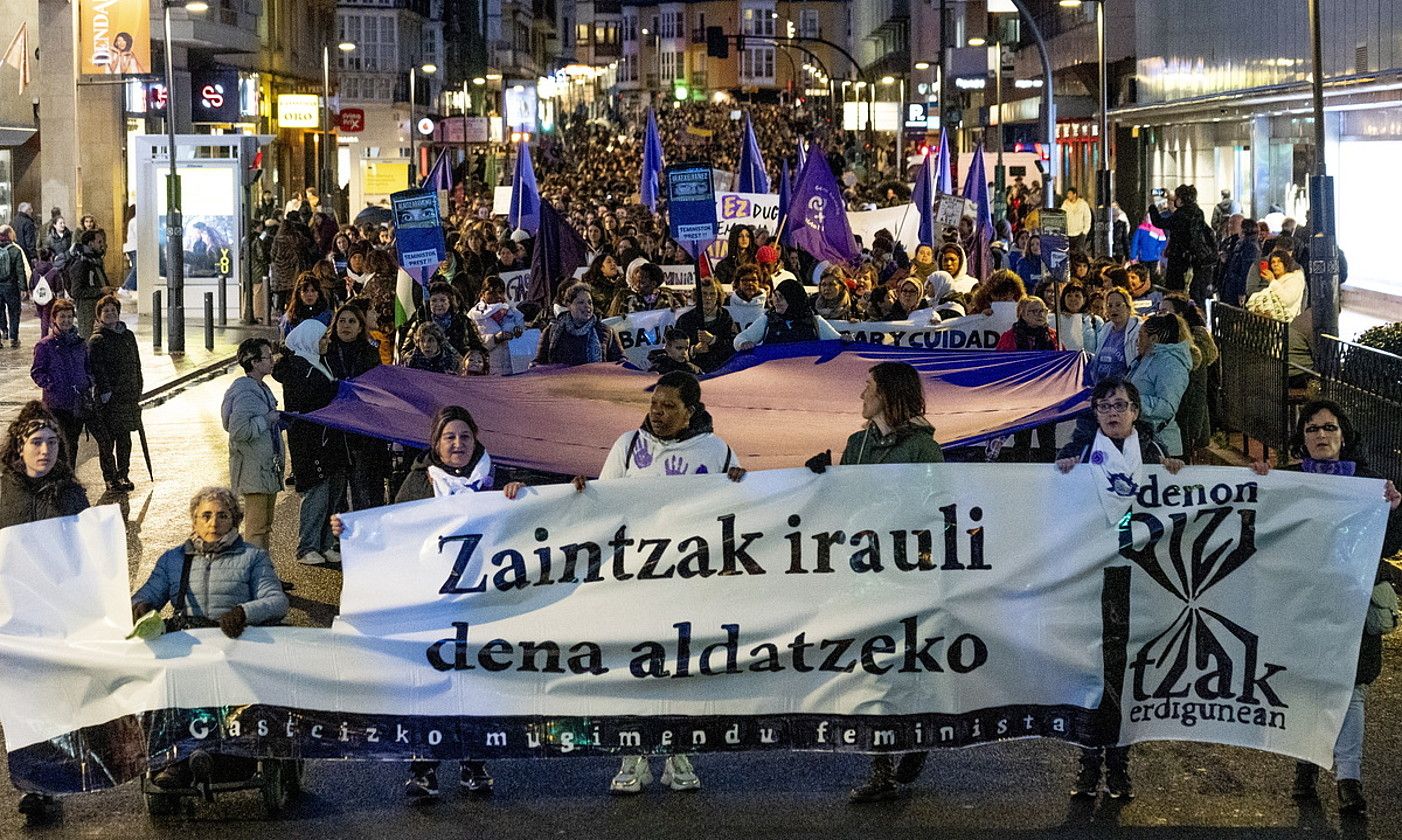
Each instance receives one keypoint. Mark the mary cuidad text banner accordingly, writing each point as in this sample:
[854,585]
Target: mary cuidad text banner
[867,609]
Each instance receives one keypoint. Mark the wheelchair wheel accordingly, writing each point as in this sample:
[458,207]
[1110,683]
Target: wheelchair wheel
[162,804]
[275,789]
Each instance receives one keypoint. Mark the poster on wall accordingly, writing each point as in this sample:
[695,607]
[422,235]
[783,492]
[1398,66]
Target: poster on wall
[209,205]
[114,37]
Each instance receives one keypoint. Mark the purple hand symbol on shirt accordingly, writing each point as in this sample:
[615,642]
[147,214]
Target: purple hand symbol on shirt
[641,455]
[675,465]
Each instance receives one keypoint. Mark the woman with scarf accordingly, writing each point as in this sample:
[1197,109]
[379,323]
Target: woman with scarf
[605,278]
[62,370]
[1031,332]
[306,303]
[347,353]
[790,321]
[832,300]
[498,323]
[908,297]
[432,352]
[710,328]
[577,336]
[922,263]
[675,438]
[117,383]
[1327,443]
[1117,450]
[318,452]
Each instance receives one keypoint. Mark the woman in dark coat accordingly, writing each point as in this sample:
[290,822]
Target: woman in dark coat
[61,370]
[577,336]
[710,328]
[117,385]
[50,270]
[1327,443]
[1187,240]
[741,251]
[347,353]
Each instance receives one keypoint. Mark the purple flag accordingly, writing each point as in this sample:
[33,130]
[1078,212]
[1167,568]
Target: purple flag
[944,180]
[924,196]
[802,157]
[785,194]
[652,162]
[753,178]
[440,175]
[818,214]
[559,252]
[525,195]
[980,248]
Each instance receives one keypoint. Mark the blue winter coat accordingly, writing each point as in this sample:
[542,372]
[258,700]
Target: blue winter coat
[1241,266]
[1161,375]
[240,575]
[61,369]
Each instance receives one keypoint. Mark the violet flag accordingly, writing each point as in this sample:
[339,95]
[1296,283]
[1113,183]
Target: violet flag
[944,179]
[785,193]
[440,175]
[979,248]
[559,252]
[818,214]
[652,163]
[525,195]
[924,195]
[752,177]
[802,158]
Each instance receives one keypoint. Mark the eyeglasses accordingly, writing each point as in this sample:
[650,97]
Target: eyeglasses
[1329,428]
[1118,407]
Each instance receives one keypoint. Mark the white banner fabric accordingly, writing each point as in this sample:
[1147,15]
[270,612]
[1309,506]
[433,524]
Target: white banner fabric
[786,611]
[643,332]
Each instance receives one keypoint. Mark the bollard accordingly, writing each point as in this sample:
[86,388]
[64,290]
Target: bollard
[209,320]
[223,291]
[156,326]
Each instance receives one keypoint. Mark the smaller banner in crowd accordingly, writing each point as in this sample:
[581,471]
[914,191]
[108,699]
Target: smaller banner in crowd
[785,611]
[758,210]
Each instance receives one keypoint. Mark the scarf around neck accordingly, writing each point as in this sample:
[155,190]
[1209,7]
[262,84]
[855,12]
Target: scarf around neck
[477,475]
[1118,472]
[1310,465]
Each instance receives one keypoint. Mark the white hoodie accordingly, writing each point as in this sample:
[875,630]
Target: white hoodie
[491,319]
[640,453]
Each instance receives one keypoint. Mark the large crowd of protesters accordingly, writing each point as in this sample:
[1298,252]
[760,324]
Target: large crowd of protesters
[1135,307]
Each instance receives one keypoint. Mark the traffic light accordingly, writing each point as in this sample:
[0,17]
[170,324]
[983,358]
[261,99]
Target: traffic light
[791,29]
[717,45]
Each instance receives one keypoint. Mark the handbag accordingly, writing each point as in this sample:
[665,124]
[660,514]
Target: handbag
[1382,611]
[42,294]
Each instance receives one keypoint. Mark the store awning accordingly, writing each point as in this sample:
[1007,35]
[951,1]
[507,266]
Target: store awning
[14,135]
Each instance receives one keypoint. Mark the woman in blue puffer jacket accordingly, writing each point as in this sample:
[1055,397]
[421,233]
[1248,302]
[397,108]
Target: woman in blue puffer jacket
[1161,374]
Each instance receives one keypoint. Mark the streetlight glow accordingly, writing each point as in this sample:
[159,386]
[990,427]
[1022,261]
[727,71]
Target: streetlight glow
[1069,4]
[479,81]
[888,80]
[197,6]
[922,65]
[346,46]
[977,41]
[429,69]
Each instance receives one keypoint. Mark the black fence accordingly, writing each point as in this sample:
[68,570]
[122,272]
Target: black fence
[1367,383]
[1255,376]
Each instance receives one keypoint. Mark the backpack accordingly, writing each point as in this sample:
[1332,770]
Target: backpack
[1203,247]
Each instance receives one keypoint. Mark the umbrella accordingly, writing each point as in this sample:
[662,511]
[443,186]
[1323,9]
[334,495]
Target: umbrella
[145,447]
[373,215]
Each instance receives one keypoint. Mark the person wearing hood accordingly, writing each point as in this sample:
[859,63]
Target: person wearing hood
[895,432]
[740,251]
[117,384]
[1161,373]
[319,460]
[952,260]
[909,297]
[62,370]
[791,320]
[577,336]
[832,300]
[1284,295]
[675,438]
[710,328]
[498,323]
[645,291]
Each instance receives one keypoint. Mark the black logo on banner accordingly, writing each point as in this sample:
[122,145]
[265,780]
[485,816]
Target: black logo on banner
[1203,666]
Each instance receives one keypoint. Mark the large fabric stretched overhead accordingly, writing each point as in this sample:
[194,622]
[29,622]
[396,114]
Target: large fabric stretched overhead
[776,407]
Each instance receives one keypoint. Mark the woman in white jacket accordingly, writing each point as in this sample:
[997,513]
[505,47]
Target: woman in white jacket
[498,322]
[1284,297]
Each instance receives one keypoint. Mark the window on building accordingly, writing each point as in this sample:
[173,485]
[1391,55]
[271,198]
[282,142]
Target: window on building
[581,33]
[808,24]
[758,19]
[757,64]
[630,28]
[701,23]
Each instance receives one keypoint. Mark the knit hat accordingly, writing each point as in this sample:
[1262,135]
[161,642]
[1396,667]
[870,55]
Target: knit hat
[635,265]
[767,254]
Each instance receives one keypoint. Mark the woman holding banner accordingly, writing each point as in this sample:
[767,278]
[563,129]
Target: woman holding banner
[710,328]
[1328,444]
[675,438]
[790,321]
[896,432]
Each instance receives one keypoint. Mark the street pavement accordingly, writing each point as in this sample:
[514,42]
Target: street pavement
[1007,791]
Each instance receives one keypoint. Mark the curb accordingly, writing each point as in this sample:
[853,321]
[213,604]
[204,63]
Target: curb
[165,391]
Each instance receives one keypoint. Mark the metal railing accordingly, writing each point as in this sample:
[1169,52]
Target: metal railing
[1255,376]
[1367,384]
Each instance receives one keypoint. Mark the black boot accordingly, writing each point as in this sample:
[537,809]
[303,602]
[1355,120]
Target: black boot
[1088,777]
[37,807]
[1117,782]
[1351,801]
[909,767]
[1306,780]
[881,787]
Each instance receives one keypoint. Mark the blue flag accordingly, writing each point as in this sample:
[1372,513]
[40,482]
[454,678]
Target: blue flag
[525,195]
[802,157]
[976,190]
[652,162]
[818,214]
[440,175]
[924,196]
[785,194]
[753,178]
[944,180]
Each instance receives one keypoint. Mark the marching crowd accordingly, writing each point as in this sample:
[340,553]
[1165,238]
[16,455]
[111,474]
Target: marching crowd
[332,289]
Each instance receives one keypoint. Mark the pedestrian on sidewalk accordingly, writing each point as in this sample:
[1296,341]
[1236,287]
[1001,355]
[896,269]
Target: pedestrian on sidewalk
[251,417]
[62,371]
[27,230]
[14,275]
[319,459]
[117,384]
[45,286]
[87,279]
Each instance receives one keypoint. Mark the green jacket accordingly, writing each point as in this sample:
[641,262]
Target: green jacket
[12,267]
[913,443]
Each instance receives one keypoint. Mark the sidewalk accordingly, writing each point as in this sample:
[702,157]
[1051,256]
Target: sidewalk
[162,374]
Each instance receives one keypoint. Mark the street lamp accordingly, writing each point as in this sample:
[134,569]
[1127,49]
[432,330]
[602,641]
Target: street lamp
[175,223]
[1104,188]
[325,141]
[427,70]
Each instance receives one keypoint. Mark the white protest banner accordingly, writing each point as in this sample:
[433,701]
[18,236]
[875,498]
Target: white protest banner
[758,210]
[972,332]
[678,275]
[501,201]
[523,350]
[903,222]
[517,282]
[643,332]
[785,611]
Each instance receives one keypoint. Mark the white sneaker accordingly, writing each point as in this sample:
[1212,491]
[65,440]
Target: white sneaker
[678,774]
[332,555]
[633,776]
[312,558]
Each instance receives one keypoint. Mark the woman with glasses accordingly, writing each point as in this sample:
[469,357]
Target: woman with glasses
[1328,444]
[1121,446]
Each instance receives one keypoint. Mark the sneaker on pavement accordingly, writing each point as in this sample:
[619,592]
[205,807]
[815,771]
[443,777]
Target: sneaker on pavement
[1087,784]
[475,778]
[312,558]
[678,774]
[35,806]
[1306,781]
[632,777]
[331,555]
[422,787]
[1118,785]
[881,787]
[1351,801]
